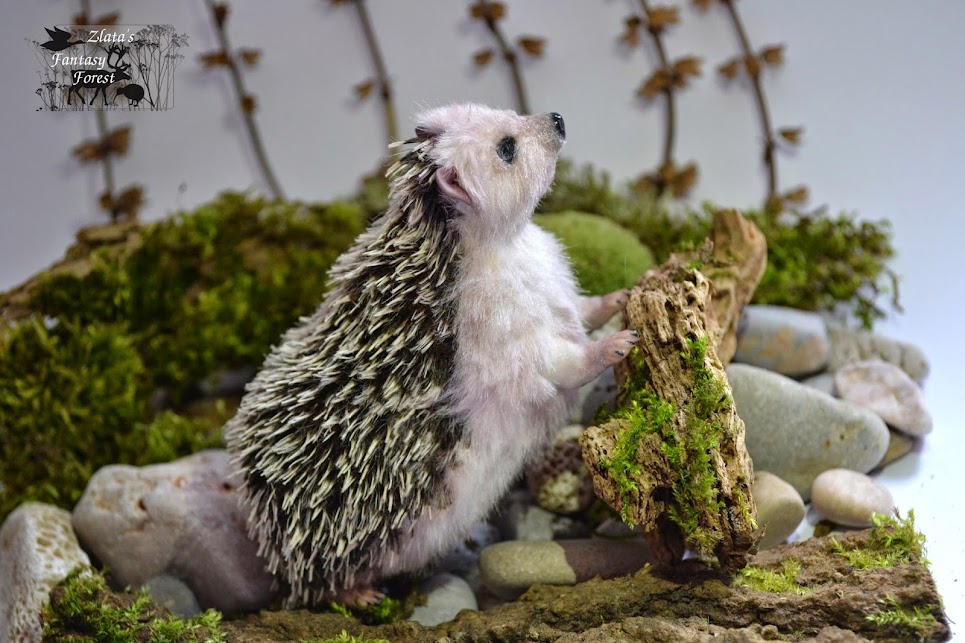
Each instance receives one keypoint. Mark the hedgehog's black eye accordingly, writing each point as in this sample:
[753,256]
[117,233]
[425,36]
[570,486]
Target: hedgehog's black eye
[506,149]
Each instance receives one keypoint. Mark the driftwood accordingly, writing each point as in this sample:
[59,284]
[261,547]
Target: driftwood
[683,503]
[837,603]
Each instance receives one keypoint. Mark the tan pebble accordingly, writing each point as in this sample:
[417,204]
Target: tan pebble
[888,391]
[899,446]
[849,498]
[780,508]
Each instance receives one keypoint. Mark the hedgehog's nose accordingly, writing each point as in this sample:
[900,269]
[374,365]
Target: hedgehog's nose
[558,124]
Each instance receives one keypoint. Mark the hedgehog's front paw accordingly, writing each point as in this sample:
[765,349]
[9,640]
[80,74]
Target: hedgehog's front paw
[598,310]
[615,348]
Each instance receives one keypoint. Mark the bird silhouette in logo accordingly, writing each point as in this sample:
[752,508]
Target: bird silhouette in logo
[59,40]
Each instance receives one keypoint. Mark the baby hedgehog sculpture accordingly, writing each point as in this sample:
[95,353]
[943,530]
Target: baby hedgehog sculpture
[443,358]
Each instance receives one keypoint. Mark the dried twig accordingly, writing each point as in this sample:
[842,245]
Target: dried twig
[491,13]
[246,101]
[381,80]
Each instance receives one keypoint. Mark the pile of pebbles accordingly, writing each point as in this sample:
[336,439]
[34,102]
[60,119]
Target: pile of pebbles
[823,406]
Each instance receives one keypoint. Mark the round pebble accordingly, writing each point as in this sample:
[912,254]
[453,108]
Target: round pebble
[784,340]
[849,498]
[780,508]
[446,596]
[899,446]
[888,391]
[172,592]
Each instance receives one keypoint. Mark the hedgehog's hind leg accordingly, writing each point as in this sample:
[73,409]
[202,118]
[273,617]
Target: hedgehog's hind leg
[358,596]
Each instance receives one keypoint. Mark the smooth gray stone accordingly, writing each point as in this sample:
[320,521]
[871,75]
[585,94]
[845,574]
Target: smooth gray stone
[171,592]
[823,382]
[180,518]
[780,508]
[784,340]
[38,549]
[510,568]
[446,596]
[796,432]
[850,498]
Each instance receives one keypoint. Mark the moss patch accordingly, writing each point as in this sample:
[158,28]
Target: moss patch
[918,621]
[766,580]
[894,541]
[605,256]
[83,609]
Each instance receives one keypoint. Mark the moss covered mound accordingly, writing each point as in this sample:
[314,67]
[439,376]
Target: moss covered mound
[130,330]
[605,256]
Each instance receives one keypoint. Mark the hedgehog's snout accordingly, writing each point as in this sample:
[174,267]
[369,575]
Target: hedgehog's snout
[558,124]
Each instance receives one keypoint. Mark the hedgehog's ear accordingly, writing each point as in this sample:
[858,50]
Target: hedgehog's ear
[424,133]
[448,182]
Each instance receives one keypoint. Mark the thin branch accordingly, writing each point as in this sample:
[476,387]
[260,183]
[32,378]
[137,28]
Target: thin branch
[248,117]
[509,55]
[668,92]
[770,145]
[382,77]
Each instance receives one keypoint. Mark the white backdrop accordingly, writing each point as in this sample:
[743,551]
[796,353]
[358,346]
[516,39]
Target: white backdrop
[877,85]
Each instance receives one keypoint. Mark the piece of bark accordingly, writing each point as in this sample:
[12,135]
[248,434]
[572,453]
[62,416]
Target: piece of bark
[668,307]
[734,265]
[692,604]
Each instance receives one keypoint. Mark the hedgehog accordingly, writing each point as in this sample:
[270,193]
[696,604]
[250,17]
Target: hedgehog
[443,358]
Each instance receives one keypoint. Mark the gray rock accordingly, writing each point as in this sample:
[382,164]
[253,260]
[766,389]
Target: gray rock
[171,592]
[510,568]
[520,519]
[783,340]
[849,498]
[796,432]
[780,508]
[823,382]
[38,549]
[181,518]
[560,482]
[888,391]
[600,392]
[849,345]
[446,596]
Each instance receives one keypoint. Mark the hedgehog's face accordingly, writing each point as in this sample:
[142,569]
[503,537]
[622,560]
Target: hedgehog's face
[494,165]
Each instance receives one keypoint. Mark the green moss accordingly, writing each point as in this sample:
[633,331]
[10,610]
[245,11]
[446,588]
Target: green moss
[815,261]
[918,622]
[688,454]
[605,256]
[893,541]
[203,291]
[388,610]
[83,609]
[765,580]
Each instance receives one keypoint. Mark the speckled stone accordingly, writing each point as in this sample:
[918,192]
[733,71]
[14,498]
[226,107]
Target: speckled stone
[510,568]
[180,518]
[849,345]
[780,508]
[784,340]
[849,498]
[888,391]
[38,549]
[560,482]
[446,596]
[796,432]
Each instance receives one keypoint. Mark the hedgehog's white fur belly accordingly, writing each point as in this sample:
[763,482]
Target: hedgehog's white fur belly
[518,317]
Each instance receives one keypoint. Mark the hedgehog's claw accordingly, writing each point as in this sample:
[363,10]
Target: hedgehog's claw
[358,597]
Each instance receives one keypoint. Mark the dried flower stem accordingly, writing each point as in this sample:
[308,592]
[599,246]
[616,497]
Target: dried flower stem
[509,55]
[247,116]
[381,75]
[668,92]
[107,162]
[770,145]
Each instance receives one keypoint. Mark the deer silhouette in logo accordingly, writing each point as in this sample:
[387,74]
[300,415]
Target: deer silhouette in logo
[99,80]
